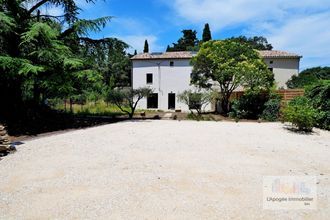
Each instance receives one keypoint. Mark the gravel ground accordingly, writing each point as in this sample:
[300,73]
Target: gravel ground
[161,170]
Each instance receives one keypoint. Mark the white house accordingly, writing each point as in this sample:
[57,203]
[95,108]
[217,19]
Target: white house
[168,74]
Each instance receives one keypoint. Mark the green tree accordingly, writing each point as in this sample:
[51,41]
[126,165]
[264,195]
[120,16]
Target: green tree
[146,47]
[207,33]
[309,77]
[301,114]
[126,99]
[188,42]
[196,100]
[229,64]
[256,42]
[319,96]
[40,57]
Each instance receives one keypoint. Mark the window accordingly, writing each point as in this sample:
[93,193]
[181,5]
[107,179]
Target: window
[271,62]
[152,100]
[271,69]
[172,63]
[149,78]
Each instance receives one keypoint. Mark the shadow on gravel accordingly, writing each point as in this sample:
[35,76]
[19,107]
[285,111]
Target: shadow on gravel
[296,131]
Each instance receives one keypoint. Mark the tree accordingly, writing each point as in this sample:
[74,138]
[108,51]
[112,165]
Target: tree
[318,95]
[45,56]
[301,114]
[309,77]
[109,57]
[135,52]
[207,33]
[126,99]
[188,42]
[196,100]
[146,47]
[256,42]
[229,64]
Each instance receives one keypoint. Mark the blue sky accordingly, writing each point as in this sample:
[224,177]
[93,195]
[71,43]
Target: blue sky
[300,26]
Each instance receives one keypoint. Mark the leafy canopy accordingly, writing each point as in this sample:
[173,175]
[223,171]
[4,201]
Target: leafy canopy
[228,65]
[256,42]
[188,42]
[309,77]
[126,99]
[207,36]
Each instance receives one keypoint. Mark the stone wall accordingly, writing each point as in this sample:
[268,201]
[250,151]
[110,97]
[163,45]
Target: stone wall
[5,147]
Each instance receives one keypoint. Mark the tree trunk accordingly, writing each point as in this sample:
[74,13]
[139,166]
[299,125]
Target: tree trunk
[131,115]
[225,105]
[71,109]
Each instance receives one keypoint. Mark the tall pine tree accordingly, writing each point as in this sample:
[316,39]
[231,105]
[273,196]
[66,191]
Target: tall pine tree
[207,33]
[146,47]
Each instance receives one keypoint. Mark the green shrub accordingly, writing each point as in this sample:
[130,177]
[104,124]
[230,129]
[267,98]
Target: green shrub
[301,114]
[249,106]
[319,96]
[272,108]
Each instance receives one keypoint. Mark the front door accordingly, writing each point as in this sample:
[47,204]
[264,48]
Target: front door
[171,101]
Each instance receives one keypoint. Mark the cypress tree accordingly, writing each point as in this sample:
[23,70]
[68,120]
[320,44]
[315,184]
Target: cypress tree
[146,47]
[207,33]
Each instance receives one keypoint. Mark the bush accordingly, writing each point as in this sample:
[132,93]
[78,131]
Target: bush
[301,114]
[319,96]
[196,100]
[272,108]
[249,106]
[309,77]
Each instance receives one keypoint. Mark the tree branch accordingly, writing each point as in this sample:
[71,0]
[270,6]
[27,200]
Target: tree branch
[36,6]
[121,109]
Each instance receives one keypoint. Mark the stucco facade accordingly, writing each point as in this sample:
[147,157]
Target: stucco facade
[283,69]
[168,74]
[166,79]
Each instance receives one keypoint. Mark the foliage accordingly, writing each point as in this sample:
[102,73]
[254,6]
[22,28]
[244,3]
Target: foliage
[301,114]
[256,42]
[196,100]
[188,42]
[87,107]
[126,99]
[230,65]
[146,47]
[207,36]
[108,56]
[319,96]
[309,77]
[272,108]
[249,106]
[43,56]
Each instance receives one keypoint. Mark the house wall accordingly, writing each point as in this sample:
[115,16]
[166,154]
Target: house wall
[166,79]
[283,69]
[176,79]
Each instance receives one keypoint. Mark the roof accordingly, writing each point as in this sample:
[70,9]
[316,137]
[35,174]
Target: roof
[166,55]
[189,55]
[277,54]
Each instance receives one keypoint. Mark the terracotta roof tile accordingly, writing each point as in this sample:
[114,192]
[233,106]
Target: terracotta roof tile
[166,55]
[189,55]
[277,54]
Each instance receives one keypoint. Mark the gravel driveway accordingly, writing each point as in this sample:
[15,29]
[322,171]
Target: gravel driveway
[161,170]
